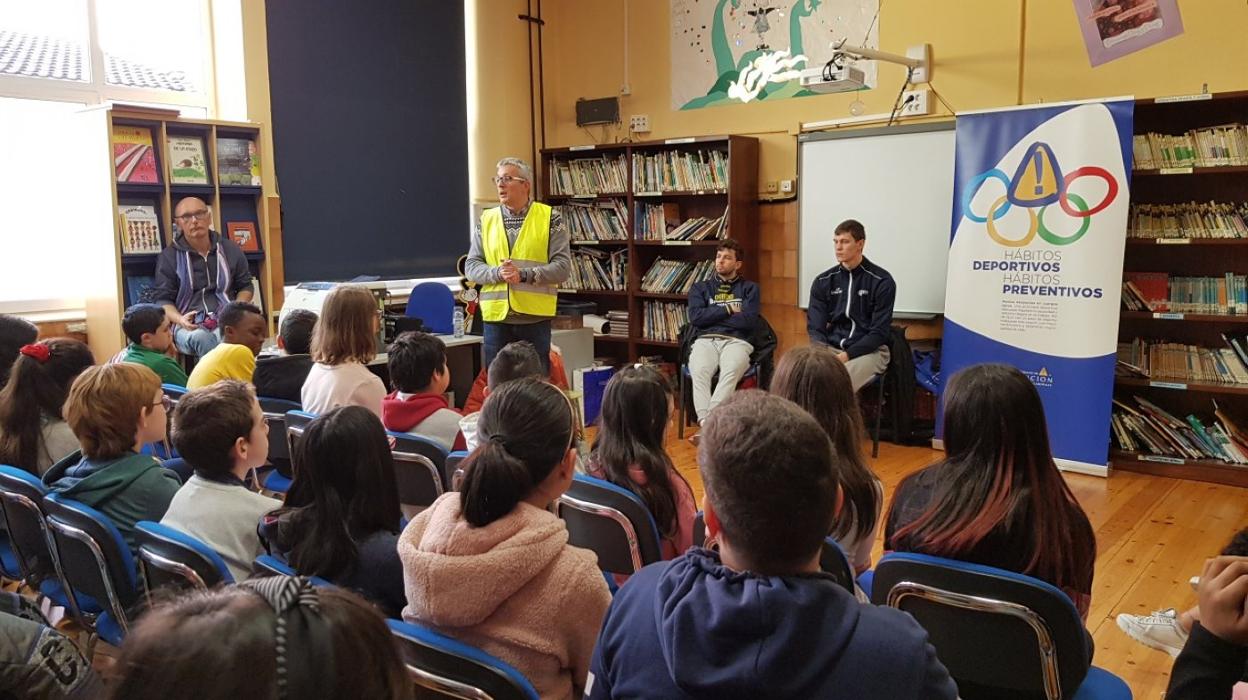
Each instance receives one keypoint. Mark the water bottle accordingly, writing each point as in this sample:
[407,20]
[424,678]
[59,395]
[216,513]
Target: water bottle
[457,321]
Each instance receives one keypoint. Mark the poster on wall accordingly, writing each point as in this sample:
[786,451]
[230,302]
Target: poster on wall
[734,51]
[1040,201]
[1114,28]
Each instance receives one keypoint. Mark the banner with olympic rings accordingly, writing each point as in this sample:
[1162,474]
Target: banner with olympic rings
[1035,260]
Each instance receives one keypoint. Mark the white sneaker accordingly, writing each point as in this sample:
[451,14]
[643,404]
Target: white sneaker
[1160,630]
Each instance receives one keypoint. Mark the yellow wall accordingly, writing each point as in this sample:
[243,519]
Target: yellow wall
[987,53]
[256,68]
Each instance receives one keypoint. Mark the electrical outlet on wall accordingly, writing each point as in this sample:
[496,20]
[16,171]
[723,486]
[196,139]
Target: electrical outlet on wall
[639,123]
[786,186]
[915,103]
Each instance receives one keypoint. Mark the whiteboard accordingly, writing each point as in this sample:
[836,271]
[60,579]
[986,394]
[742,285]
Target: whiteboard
[897,181]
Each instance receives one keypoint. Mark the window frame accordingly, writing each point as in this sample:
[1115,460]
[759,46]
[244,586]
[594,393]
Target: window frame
[97,91]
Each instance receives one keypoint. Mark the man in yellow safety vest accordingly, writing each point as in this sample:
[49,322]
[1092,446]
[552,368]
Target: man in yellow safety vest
[520,252]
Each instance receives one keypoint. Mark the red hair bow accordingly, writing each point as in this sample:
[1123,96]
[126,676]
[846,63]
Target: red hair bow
[38,351]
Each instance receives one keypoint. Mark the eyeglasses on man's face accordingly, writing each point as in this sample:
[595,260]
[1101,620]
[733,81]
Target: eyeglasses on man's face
[508,179]
[192,215]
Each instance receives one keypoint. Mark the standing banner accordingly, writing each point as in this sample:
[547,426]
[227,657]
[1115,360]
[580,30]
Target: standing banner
[1040,199]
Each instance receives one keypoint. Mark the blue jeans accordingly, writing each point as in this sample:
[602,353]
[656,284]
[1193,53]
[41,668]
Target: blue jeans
[197,342]
[498,335]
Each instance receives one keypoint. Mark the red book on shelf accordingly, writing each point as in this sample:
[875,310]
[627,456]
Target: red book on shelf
[134,160]
[243,233]
[1155,286]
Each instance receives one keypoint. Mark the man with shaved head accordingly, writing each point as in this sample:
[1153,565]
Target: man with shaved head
[200,272]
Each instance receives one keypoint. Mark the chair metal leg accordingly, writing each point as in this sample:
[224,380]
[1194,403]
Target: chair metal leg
[879,415]
[680,428]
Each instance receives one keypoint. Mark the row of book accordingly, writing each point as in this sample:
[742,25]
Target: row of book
[1158,291]
[140,230]
[1188,220]
[598,270]
[134,158]
[680,171]
[1147,428]
[589,176]
[617,323]
[600,220]
[675,276]
[663,320]
[1209,147]
[661,222]
[1181,362]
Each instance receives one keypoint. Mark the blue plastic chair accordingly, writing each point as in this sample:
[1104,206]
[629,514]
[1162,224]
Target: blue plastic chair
[434,304]
[418,470]
[1000,633]
[174,392]
[269,565]
[452,668]
[275,416]
[610,521]
[179,466]
[21,498]
[451,474]
[169,557]
[95,560]
[295,422]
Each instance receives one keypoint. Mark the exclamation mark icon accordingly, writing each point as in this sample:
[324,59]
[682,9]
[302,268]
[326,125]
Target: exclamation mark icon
[1039,172]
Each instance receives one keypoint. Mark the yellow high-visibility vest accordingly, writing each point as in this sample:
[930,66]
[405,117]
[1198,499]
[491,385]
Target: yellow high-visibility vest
[532,249]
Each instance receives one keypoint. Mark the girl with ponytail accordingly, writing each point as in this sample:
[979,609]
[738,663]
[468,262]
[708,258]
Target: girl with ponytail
[340,519]
[628,451]
[491,565]
[33,432]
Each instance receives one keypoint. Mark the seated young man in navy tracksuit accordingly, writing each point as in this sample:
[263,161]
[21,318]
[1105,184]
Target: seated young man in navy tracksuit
[759,619]
[851,306]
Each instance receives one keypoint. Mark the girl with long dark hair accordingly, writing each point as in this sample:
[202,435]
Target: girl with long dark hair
[815,379]
[340,519]
[628,451]
[997,498]
[33,431]
[491,565]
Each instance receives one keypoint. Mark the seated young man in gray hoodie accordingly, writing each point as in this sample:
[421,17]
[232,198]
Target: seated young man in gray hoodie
[114,410]
[759,618]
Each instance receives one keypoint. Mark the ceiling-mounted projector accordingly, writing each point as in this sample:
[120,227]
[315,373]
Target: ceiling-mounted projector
[830,79]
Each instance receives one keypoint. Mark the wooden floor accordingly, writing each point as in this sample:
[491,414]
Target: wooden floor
[1153,535]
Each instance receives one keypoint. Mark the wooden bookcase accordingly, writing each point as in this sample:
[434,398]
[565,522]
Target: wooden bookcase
[1202,257]
[120,286]
[739,200]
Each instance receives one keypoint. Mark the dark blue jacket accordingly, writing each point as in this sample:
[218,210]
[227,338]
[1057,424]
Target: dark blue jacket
[708,308]
[692,628]
[852,310]
[188,280]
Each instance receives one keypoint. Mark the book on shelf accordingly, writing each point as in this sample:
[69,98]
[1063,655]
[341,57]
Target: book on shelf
[1207,147]
[187,164]
[662,320]
[1148,429]
[1188,220]
[1161,360]
[136,288]
[655,219]
[617,323]
[1223,295]
[598,270]
[601,220]
[680,171]
[589,176]
[243,233]
[238,163]
[140,228]
[134,159]
[676,276]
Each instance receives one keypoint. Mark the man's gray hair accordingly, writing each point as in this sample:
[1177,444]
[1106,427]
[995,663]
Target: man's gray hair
[526,171]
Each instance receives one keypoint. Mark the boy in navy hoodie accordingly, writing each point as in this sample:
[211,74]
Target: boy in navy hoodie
[723,311]
[418,403]
[758,618]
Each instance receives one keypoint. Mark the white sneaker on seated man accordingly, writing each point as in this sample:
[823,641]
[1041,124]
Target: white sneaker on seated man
[723,312]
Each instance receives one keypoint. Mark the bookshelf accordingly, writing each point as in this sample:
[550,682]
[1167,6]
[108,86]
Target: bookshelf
[588,177]
[1185,226]
[233,197]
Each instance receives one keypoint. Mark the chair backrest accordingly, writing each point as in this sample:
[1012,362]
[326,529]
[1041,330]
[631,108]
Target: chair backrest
[174,392]
[269,565]
[94,557]
[296,423]
[418,465]
[612,521]
[169,557]
[450,668]
[990,627]
[699,529]
[20,496]
[833,561]
[451,475]
[434,304]
[275,416]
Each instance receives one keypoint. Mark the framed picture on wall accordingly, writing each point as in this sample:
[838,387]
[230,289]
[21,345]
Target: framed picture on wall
[243,233]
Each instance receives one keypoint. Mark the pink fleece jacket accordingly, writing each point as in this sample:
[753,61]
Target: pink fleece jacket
[514,589]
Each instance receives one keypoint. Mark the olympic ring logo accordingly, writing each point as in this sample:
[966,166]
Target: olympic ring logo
[1072,204]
